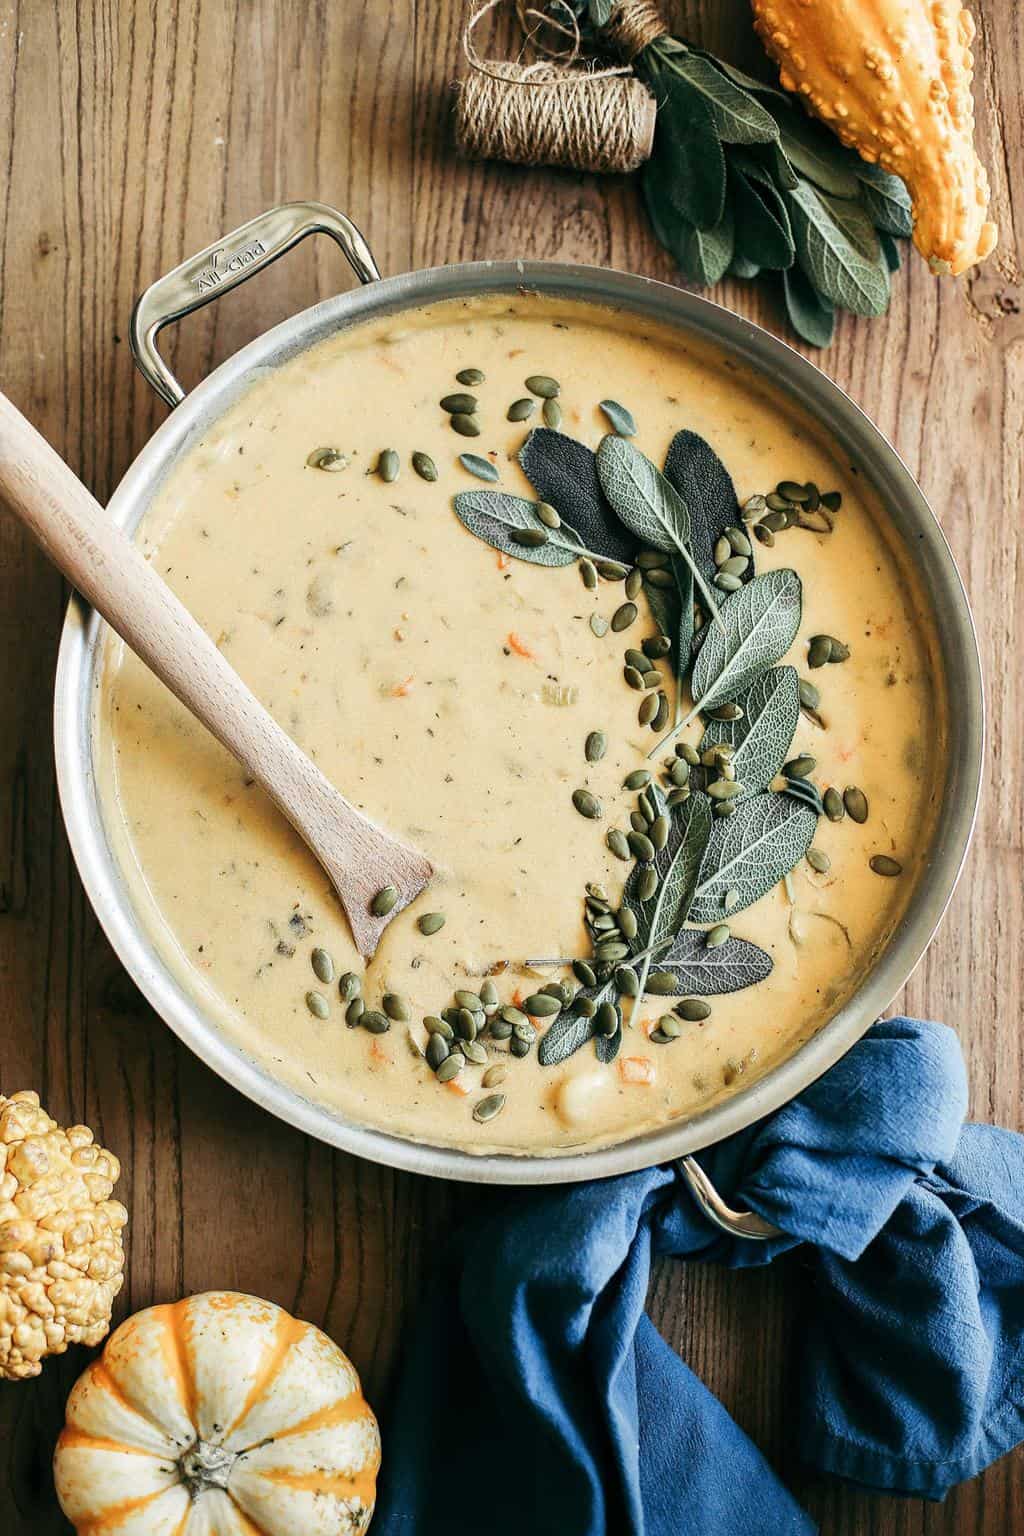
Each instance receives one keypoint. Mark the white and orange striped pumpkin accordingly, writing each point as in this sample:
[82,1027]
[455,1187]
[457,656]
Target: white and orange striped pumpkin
[221,1415]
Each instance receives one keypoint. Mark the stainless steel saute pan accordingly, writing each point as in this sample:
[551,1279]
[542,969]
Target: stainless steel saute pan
[239,256]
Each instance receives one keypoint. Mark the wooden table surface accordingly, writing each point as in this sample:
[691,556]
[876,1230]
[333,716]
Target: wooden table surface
[131,136]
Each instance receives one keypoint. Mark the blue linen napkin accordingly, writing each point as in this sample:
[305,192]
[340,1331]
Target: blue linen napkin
[535,1395]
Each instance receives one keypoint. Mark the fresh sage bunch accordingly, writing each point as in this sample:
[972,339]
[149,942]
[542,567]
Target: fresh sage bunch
[742,182]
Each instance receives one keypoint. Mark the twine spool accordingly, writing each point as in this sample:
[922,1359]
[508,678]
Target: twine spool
[560,112]
[555,116]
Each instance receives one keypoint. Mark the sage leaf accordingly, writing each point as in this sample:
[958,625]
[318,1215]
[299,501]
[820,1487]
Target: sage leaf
[817,154]
[759,624]
[599,12]
[678,864]
[751,851]
[838,249]
[762,236]
[704,254]
[811,315]
[688,159]
[759,87]
[493,515]
[564,473]
[886,200]
[647,503]
[693,467]
[890,250]
[563,1038]
[738,116]
[730,967]
[762,738]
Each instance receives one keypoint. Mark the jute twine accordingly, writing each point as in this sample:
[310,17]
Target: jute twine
[561,110]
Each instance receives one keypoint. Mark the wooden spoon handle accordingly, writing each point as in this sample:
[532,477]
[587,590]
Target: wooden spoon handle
[107,568]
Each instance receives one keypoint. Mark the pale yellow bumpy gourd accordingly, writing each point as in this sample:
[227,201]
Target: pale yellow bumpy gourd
[221,1415]
[892,78]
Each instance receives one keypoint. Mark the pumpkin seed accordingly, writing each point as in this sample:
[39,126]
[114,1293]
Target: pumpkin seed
[587,804]
[474,1052]
[688,752]
[652,559]
[459,405]
[470,376]
[430,922]
[595,746]
[519,1047]
[494,1075]
[435,1026]
[725,712]
[425,467]
[658,835]
[542,385]
[603,922]
[793,491]
[764,535]
[487,1108]
[541,1006]
[611,950]
[354,1012]
[525,1031]
[723,808]
[384,901]
[833,500]
[656,646]
[530,538]
[736,565]
[800,767]
[552,413]
[611,570]
[466,999]
[317,1005]
[586,1007]
[810,697]
[730,899]
[483,469]
[437,1051]
[489,996]
[679,772]
[350,986]
[626,981]
[693,1009]
[512,1015]
[641,847]
[738,542]
[722,550]
[617,844]
[678,796]
[839,651]
[666,1030]
[388,465]
[818,860]
[832,800]
[819,650]
[584,973]
[634,679]
[501,1029]
[451,1067]
[331,460]
[646,883]
[377,1023]
[777,503]
[856,803]
[728,583]
[588,576]
[520,410]
[628,924]
[720,934]
[634,582]
[661,984]
[753,508]
[598,623]
[466,1024]
[547,514]
[882,864]
[396,1007]
[466,426]
[638,821]
[722,789]
[660,720]
[624,616]
[323,966]
[622,423]
[606,1019]
[638,779]
[648,709]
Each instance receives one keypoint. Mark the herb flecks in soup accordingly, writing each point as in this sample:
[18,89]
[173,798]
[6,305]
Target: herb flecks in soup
[643,677]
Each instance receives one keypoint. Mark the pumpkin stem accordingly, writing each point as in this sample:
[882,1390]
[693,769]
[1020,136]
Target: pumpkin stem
[205,1466]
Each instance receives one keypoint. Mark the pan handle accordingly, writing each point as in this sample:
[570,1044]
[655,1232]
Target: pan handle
[225,264]
[737,1223]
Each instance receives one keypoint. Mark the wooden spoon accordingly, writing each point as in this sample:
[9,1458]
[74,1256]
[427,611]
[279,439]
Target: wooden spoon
[360,858]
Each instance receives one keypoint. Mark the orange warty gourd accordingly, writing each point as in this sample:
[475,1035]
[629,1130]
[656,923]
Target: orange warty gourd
[893,80]
[221,1415]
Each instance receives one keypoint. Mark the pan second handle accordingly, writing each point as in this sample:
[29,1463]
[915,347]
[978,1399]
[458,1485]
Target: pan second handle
[737,1223]
[226,263]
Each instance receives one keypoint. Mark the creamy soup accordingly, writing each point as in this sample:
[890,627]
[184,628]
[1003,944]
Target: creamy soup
[448,689]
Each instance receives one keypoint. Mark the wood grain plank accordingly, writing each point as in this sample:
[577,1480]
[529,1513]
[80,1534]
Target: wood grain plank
[131,136]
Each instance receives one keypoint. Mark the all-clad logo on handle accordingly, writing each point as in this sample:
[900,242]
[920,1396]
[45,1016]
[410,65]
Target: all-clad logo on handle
[218,271]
